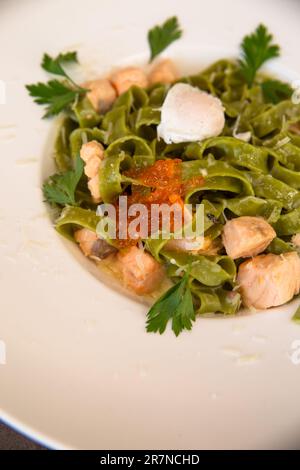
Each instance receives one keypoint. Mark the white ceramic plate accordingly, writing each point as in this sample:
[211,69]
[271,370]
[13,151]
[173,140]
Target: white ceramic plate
[81,372]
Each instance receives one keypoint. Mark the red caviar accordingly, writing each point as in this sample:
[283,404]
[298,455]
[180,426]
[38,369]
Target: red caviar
[160,183]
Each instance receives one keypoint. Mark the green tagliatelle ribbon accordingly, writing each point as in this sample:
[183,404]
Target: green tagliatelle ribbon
[76,217]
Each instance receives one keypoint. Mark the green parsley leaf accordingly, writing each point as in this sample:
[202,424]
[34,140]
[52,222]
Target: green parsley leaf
[256,48]
[296,317]
[175,305]
[60,188]
[54,65]
[55,94]
[275,91]
[160,37]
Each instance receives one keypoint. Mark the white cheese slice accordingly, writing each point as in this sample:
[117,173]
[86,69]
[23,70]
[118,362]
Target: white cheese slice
[190,115]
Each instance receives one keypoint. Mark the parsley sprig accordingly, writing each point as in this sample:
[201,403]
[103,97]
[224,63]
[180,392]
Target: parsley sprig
[161,36]
[60,188]
[176,305]
[54,65]
[275,91]
[56,95]
[296,316]
[256,49]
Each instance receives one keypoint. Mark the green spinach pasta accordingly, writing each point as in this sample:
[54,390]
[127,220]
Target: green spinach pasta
[227,140]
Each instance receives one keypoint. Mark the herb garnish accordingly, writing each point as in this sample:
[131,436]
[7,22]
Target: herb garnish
[56,95]
[296,316]
[257,48]
[160,37]
[176,305]
[60,188]
[275,91]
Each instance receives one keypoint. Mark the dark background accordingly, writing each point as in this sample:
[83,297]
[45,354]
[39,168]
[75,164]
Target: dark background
[11,440]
